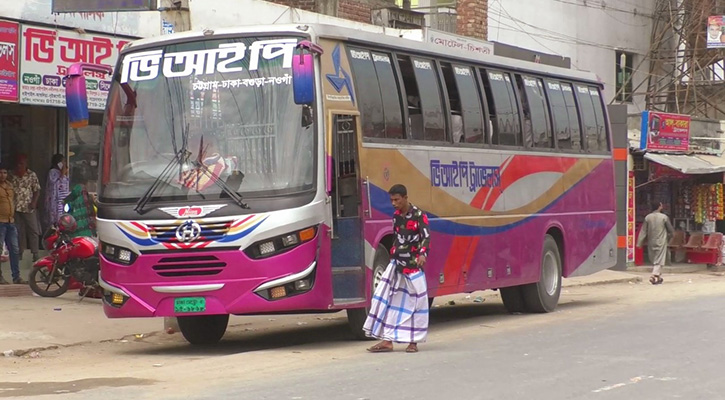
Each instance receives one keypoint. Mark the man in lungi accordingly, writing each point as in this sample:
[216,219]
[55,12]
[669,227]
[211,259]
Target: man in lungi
[657,230]
[399,308]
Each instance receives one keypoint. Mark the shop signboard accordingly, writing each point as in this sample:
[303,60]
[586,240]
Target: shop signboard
[658,171]
[665,132]
[630,217]
[46,55]
[9,60]
[715,32]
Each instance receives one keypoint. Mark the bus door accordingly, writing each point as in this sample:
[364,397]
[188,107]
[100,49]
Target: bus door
[348,264]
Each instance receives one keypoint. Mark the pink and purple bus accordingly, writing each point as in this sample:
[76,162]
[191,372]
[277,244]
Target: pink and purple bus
[245,171]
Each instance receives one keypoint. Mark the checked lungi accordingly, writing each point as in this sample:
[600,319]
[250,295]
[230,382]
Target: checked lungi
[399,308]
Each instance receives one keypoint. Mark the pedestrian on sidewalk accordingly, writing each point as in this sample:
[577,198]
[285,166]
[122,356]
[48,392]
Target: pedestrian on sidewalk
[27,190]
[657,230]
[57,188]
[399,308]
[8,232]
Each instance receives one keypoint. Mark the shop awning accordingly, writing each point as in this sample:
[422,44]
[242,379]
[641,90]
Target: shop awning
[689,164]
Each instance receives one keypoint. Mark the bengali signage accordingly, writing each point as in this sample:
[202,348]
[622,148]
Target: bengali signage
[630,217]
[46,56]
[9,60]
[665,132]
[71,6]
[451,41]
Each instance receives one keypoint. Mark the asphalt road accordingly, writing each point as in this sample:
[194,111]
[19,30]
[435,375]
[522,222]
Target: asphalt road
[669,350]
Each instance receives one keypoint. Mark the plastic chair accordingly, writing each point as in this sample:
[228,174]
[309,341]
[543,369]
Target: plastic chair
[696,240]
[713,242]
[677,241]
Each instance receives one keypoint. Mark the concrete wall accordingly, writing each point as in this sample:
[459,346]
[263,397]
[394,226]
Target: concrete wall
[589,32]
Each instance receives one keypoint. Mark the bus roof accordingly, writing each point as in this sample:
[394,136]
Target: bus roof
[390,39]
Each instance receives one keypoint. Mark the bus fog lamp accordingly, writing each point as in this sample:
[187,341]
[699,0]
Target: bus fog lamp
[277,292]
[302,284]
[266,248]
[290,240]
[110,250]
[116,298]
[124,255]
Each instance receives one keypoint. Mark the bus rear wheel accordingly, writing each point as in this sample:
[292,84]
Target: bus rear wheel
[356,316]
[543,296]
[203,329]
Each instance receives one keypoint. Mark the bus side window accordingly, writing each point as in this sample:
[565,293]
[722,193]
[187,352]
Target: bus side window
[538,131]
[560,117]
[423,92]
[599,114]
[370,101]
[390,91]
[589,119]
[567,92]
[503,108]
[466,110]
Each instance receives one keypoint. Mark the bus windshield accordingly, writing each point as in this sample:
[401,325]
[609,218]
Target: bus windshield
[209,110]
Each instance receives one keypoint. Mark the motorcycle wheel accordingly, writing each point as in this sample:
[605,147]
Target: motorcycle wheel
[44,285]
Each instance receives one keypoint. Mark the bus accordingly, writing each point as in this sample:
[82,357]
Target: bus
[245,171]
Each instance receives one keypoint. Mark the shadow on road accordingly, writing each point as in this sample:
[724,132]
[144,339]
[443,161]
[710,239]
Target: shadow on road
[328,329]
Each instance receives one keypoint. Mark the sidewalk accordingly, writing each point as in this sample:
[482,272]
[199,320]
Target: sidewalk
[35,323]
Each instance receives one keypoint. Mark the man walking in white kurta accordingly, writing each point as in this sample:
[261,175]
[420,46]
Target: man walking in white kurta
[657,230]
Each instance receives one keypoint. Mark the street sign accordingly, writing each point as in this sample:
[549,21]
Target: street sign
[71,6]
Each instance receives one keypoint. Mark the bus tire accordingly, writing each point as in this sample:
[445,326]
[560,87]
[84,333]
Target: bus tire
[513,299]
[543,296]
[203,329]
[356,316]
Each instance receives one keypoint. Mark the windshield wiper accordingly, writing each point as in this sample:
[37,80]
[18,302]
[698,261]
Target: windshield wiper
[200,166]
[179,159]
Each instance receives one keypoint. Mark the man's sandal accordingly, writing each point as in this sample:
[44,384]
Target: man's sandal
[412,348]
[655,279]
[380,348]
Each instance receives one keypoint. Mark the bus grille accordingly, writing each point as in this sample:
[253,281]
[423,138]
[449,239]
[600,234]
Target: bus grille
[210,231]
[189,266]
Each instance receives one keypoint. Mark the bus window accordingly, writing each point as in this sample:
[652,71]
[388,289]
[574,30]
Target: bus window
[422,88]
[589,119]
[368,93]
[503,108]
[391,96]
[574,127]
[537,128]
[601,123]
[465,102]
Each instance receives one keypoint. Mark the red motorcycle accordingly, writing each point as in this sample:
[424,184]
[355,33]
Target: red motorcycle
[72,262]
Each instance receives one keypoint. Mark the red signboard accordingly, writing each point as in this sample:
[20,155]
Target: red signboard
[9,60]
[662,131]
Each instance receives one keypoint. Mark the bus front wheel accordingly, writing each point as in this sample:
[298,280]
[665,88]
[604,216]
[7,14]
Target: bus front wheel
[543,296]
[203,329]
[513,299]
[356,316]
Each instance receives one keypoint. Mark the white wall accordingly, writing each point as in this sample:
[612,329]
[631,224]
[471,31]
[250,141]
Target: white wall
[589,33]
[139,24]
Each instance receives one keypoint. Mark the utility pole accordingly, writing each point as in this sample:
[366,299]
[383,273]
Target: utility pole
[175,17]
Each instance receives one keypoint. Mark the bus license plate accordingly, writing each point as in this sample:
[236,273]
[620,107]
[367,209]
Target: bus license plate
[189,305]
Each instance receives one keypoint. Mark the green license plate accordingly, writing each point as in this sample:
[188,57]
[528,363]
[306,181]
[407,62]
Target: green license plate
[189,305]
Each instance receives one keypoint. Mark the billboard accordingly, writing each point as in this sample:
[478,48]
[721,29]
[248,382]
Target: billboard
[9,60]
[46,55]
[71,6]
[715,34]
[665,132]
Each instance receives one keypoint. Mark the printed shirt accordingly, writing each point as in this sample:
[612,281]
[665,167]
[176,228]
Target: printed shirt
[412,237]
[24,188]
[7,206]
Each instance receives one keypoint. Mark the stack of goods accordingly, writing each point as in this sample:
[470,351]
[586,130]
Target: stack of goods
[708,203]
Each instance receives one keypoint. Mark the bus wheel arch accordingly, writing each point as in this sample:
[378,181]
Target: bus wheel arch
[543,296]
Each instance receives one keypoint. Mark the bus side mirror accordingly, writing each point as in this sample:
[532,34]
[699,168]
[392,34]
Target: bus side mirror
[303,72]
[76,100]
[76,97]
[303,80]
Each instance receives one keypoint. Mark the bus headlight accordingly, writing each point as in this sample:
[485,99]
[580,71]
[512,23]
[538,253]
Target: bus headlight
[280,244]
[117,254]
